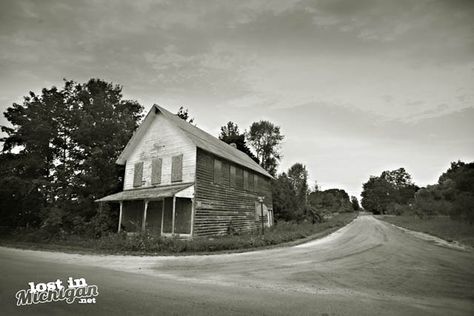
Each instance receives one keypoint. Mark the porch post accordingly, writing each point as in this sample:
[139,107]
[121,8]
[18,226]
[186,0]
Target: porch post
[174,214]
[192,215]
[120,217]
[162,215]
[144,216]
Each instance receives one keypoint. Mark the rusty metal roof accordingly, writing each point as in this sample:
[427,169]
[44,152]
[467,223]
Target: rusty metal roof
[199,137]
[146,193]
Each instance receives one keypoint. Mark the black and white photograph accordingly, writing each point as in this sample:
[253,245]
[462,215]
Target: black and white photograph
[250,157]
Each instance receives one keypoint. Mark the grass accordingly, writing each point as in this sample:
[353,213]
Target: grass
[439,226]
[148,244]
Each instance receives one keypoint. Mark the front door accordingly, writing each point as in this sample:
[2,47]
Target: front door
[182,218]
[183,214]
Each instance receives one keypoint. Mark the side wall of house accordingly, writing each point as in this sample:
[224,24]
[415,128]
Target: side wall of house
[219,206]
[162,140]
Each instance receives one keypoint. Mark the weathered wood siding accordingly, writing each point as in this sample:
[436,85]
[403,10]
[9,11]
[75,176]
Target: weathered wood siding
[226,203]
[164,140]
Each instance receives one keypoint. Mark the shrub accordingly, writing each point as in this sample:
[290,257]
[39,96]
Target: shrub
[152,243]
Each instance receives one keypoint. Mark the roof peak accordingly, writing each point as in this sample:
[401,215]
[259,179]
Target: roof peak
[199,137]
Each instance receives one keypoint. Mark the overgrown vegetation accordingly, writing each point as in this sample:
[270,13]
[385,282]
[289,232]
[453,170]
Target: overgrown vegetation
[440,226]
[394,193]
[153,244]
[386,193]
[294,201]
[59,156]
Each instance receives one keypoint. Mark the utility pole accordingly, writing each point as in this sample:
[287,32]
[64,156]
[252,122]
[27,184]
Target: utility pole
[260,199]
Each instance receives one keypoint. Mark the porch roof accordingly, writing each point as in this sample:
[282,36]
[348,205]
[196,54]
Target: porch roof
[146,193]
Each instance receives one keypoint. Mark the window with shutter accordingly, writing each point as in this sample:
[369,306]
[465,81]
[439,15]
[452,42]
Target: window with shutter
[225,173]
[156,171]
[233,179]
[138,174]
[240,178]
[217,171]
[177,168]
[251,184]
[246,180]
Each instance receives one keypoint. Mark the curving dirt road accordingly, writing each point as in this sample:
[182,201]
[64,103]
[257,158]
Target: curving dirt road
[368,267]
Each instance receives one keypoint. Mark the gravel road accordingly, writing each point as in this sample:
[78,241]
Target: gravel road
[368,267]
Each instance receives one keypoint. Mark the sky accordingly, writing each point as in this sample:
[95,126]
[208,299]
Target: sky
[357,87]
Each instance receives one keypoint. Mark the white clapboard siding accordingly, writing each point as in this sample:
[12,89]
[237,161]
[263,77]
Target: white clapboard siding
[164,140]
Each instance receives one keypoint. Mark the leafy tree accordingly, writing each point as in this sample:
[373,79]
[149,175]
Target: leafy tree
[435,199]
[64,144]
[461,177]
[285,202]
[33,149]
[377,194]
[21,195]
[398,177]
[355,203]
[102,124]
[265,138]
[462,174]
[229,130]
[184,114]
[453,195]
[298,176]
[230,134]
[391,187]
[330,201]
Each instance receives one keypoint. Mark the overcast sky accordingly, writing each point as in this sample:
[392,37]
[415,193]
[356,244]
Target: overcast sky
[357,87]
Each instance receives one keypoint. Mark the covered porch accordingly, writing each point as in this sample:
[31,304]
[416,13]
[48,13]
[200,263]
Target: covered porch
[166,210]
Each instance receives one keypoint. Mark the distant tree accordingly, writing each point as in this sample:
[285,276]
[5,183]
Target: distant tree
[285,201]
[265,138]
[355,203]
[453,195]
[330,201]
[184,114]
[435,199]
[398,177]
[230,134]
[391,187]
[377,194]
[462,174]
[298,176]
[316,186]
[229,130]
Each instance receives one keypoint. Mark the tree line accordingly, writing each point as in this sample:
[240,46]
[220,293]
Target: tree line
[59,156]
[293,200]
[60,151]
[393,192]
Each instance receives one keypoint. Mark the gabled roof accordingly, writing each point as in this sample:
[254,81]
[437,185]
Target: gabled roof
[199,137]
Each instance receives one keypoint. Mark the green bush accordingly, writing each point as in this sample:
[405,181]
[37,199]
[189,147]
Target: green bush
[152,243]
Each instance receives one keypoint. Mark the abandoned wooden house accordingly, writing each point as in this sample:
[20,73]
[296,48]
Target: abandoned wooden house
[180,180]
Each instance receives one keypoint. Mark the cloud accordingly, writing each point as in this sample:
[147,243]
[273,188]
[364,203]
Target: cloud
[342,147]
[382,83]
